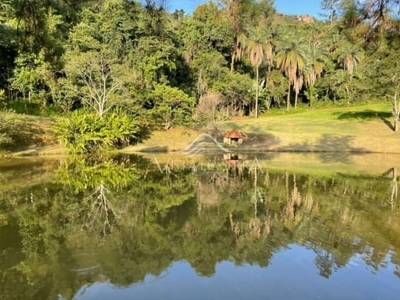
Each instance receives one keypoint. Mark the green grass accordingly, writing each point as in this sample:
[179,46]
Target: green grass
[27,131]
[364,128]
[332,120]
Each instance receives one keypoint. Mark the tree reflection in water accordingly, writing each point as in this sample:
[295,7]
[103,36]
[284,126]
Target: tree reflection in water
[123,218]
[393,186]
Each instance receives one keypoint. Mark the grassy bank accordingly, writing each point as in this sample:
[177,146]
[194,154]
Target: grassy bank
[30,135]
[362,129]
[349,129]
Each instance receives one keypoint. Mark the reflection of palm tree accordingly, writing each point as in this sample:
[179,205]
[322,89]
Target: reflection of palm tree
[254,168]
[393,185]
[395,188]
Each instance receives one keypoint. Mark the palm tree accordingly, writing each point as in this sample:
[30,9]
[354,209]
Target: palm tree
[234,12]
[291,59]
[257,47]
[317,56]
[350,14]
[241,14]
[349,56]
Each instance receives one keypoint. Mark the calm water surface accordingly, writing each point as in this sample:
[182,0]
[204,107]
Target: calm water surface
[131,227]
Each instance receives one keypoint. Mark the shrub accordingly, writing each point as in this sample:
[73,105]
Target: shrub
[85,132]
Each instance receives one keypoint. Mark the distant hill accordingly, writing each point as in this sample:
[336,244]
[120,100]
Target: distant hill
[283,18]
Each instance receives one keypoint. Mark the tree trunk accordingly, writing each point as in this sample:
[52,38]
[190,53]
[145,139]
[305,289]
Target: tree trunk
[311,94]
[393,196]
[257,91]
[288,99]
[269,101]
[255,192]
[395,111]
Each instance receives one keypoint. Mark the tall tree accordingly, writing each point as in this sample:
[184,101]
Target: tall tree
[333,7]
[291,59]
[349,56]
[97,80]
[171,106]
[257,48]
[241,14]
[154,61]
[8,53]
[350,17]
[95,60]
[379,12]
[234,11]
[316,57]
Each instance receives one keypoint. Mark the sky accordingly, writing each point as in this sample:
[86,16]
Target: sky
[289,7]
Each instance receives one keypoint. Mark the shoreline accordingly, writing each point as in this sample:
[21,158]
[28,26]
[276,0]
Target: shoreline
[317,162]
[174,141]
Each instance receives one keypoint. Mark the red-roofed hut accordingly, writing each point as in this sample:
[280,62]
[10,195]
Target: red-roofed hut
[234,136]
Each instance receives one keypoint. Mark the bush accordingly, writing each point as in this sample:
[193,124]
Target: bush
[85,132]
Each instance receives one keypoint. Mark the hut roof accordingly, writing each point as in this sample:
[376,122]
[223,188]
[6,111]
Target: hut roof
[234,134]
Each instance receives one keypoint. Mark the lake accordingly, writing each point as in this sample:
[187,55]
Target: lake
[233,226]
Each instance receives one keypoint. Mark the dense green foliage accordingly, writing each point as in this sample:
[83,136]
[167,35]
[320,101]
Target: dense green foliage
[239,57]
[85,132]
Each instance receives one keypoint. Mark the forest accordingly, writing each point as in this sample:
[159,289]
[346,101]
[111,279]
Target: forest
[114,70]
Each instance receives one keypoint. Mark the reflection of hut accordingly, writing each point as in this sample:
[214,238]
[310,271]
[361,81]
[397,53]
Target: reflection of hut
[233,160]
[234,137]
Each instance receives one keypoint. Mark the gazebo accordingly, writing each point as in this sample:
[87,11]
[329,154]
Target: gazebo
[234,137]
